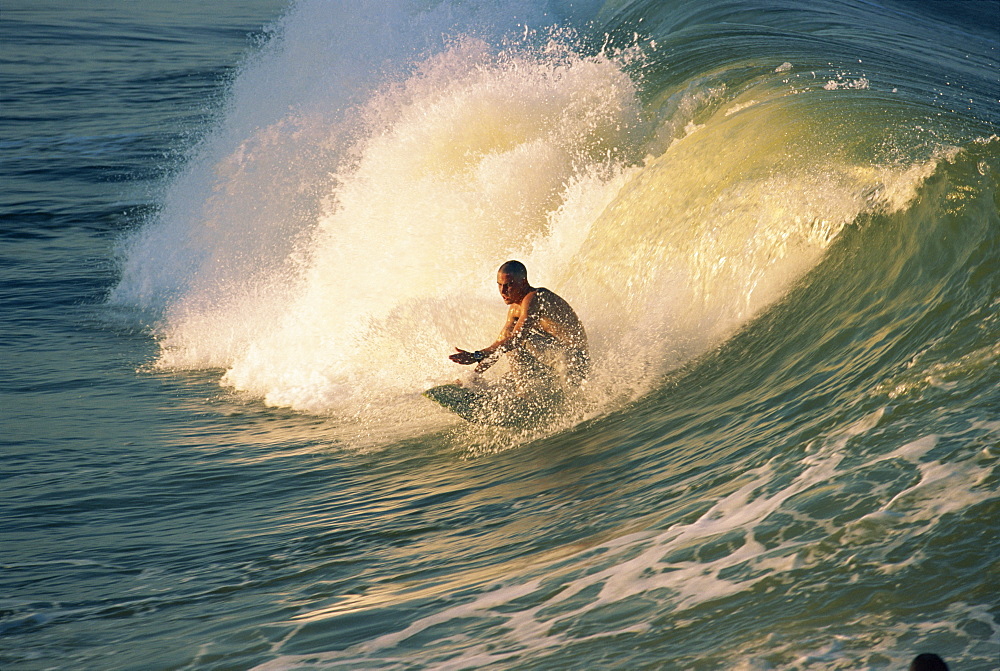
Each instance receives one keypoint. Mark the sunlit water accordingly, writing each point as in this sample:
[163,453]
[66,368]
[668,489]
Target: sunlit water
[240,240]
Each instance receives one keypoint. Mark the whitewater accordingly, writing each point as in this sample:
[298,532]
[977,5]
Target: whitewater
[232,267]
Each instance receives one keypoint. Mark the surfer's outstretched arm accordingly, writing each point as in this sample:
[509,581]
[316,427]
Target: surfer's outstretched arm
[508,339]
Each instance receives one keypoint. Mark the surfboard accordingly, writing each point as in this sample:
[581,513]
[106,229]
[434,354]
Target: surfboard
[466,403]
[493,407]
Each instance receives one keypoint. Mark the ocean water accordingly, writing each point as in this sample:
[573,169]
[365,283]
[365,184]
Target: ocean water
[239,239]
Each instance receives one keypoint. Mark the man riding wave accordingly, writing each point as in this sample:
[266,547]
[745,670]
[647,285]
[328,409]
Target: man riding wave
[542,336]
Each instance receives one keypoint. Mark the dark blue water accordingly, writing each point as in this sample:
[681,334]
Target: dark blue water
[238,240]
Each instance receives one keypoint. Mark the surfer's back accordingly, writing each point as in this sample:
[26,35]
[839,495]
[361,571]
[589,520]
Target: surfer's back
[558,318]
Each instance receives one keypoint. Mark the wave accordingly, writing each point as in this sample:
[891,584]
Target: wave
[337,233]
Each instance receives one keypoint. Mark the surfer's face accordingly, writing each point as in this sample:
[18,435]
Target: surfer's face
[511,288]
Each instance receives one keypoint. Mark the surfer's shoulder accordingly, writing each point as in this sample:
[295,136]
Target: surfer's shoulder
[550,299]
[543,294]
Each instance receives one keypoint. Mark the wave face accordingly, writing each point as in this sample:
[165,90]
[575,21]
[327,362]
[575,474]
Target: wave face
[780,227]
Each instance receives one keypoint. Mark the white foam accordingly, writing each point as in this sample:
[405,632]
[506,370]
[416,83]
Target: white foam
[842,83]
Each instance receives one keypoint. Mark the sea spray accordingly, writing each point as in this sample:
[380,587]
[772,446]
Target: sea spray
[233,216]
[463,163]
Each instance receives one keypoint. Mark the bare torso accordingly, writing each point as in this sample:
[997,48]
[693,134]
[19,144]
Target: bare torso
[551,335]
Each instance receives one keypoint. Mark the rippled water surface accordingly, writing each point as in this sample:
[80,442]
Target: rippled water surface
[240,239]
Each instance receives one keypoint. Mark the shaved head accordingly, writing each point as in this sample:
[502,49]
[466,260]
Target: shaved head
[514,269]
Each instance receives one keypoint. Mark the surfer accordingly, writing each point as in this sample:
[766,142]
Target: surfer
[542,336]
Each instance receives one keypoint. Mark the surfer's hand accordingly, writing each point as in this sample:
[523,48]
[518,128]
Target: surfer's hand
[465,358]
